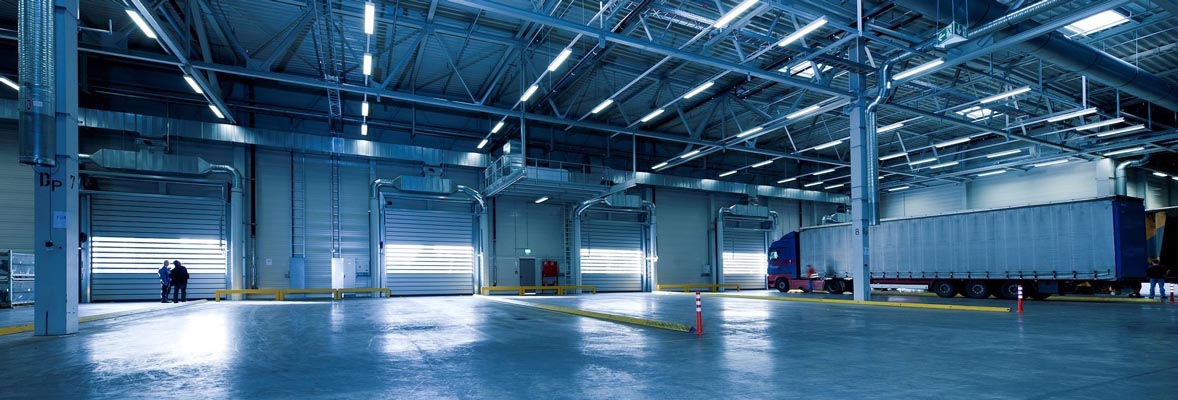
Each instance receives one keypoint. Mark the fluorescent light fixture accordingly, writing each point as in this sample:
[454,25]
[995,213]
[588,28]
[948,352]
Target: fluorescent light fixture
[1160,174]
[369,18]
[193,85]
[699,89]
[1103,20]
[1098,124]
[728,173]
[1056,162]
[891,156]
[364,130]
[1004,95]
[992,173]
[1126,129]
[141,22]
[825,171]
[541,200]
[1004,153]
[9,83]
[916,71]
[483,143]
[498,126]
[216,111]
[661,165]
[367,67]
[761,164]
[750,131]
[944,165]
[601,106]
[528,93]
[798,34]
[952,142]
[835,186]
[1073,114]
[813,184]
[787,180]
[828,144]
[924,161]
[1124,151]
[733,13]
[803,112]
[977,113]
[560,58]
[364,109]
[689,154]
[652,114]
[897,189]
[888,128]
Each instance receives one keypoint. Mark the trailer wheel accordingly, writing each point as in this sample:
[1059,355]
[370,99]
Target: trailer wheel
[943,288]
[977,289]
[1009,290]
[834,286]
[782,285]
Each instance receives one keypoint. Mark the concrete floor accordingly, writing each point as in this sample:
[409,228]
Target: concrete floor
[468,347]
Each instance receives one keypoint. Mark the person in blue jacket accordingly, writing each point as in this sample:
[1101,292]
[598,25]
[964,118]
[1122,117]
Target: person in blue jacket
[165,282]
[179,282]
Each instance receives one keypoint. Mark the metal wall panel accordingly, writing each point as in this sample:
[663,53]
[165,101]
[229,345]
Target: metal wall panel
[745,257]
[16,215]
[1071,181]
[317,272]
[1044,241]
[354,187]
[131,236]
[683,237]
[612,255]
[925,201]
[429,251]
[274,222]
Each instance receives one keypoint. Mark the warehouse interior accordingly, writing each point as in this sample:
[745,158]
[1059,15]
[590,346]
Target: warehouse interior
[394,171]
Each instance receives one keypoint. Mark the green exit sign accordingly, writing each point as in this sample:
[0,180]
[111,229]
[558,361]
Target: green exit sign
[951,34]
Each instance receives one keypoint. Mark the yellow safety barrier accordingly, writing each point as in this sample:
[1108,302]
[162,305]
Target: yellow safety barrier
[224,292]
[522,289]
[688,286]
[867,303]
[600,315]
[339,293]
[8,330]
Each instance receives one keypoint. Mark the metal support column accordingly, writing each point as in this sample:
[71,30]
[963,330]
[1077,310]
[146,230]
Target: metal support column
[56,194]
[864,169]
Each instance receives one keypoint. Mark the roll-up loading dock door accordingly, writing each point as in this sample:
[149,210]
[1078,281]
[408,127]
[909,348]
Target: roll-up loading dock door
[131,236]
[429,251]
[612,255]
[745,257]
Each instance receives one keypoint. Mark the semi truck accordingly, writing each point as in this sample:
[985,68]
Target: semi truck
[1048,249]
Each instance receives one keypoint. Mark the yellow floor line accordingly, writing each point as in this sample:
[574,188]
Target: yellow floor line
[9,330]
[867,303]
[598,315]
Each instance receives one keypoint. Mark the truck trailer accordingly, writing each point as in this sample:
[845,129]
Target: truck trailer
[1047,248]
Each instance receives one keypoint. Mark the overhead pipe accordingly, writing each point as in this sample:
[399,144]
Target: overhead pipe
[1122,181]
[871,143]
[652,253]
[1068,54]
[236,225]
[37,137]
[1018,16]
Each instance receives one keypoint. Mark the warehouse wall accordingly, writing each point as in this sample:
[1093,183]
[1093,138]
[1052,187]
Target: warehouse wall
[925,201]
[685,235]
[521,224]
[16,216]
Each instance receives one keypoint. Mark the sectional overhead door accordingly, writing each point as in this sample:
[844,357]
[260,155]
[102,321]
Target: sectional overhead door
[745,258]
[612,255]
[429,251]
[131,236]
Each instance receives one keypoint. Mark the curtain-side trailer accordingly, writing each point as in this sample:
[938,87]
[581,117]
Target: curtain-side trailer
[1047,248]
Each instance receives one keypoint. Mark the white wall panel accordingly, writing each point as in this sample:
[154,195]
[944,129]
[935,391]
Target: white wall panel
[16,215]
[1074,180]
[354,188]
[683,226]
[521,224]
[923,201]
[274,221]
[319,240]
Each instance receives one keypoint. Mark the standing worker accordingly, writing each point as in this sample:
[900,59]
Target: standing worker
[165,282]
[179,282]
[1157,277]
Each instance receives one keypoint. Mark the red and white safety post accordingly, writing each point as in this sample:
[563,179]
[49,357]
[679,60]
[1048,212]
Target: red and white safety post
[699,316]
[1171,293]
[1020,299]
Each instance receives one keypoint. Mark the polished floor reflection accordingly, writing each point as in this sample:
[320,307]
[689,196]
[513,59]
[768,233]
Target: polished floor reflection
[467,347]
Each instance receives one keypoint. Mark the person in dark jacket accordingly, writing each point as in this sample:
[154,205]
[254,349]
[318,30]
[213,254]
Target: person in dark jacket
[179,282]
[1157,277]
[165,282]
